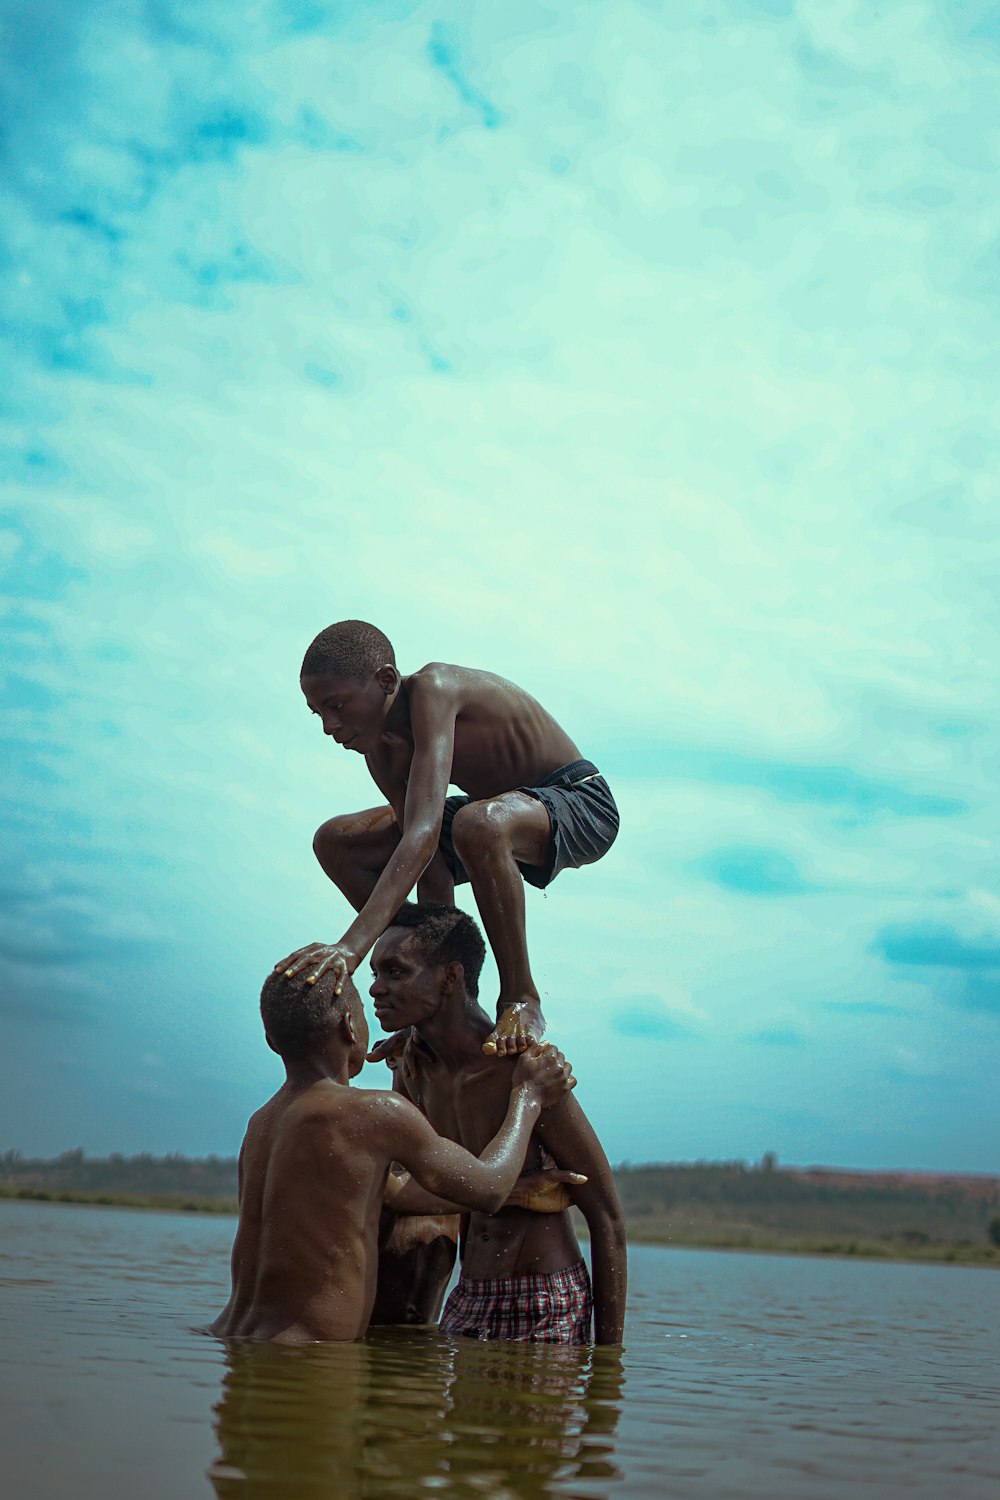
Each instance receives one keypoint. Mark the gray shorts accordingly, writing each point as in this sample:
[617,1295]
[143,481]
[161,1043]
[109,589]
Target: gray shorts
[582,815]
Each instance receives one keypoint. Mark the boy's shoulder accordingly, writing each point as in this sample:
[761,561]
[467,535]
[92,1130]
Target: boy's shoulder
[443,686]
[435,679]
[329,1111]
[448,677]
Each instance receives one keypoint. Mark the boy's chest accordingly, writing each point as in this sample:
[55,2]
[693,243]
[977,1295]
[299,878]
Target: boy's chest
[485,760]
[469,1107]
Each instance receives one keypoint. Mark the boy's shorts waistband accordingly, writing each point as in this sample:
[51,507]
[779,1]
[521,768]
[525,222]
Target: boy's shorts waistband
[510,1286]
[570,774]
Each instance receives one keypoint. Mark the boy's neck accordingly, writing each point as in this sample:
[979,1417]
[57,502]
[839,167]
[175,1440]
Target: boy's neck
[397,714]
[457,1031]
[302,1072]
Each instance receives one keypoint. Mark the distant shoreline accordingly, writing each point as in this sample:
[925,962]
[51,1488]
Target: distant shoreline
[843,1248]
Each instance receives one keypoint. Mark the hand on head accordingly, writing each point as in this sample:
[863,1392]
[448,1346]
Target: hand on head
[315,959]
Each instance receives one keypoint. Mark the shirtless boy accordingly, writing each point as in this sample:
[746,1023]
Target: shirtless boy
[314,1167]
[532,806]
[522,1275]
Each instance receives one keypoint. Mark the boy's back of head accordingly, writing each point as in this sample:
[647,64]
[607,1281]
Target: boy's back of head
[298,1017]
[351,648]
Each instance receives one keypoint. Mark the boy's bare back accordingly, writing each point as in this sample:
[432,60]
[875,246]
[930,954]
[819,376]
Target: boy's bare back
[312,1180]
[498,735]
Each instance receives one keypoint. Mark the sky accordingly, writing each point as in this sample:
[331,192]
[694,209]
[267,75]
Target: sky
[643,353]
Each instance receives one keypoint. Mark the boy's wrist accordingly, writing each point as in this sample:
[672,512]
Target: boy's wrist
[528,1090]
[352,954]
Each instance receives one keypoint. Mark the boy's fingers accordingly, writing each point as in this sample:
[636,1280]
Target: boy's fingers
[389,1046]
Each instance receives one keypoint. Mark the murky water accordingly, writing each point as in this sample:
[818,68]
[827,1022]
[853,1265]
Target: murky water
[743,1376]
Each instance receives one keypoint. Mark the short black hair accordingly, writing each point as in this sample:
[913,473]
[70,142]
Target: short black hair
[351,648]
[445,934]
[298,1015]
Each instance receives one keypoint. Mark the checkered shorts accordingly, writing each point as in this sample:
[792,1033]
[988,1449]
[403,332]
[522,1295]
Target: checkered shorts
[552,1309]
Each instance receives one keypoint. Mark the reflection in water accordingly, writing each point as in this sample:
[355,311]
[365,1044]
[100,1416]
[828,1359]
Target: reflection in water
[409,1410]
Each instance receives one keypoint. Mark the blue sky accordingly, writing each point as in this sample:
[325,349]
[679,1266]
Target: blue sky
[644,354]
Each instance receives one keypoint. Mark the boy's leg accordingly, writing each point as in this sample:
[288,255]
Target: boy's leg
[437,882]
[355,848]
[490,837]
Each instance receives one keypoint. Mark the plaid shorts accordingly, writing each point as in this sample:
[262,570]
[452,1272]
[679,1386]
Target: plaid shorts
[552,1309]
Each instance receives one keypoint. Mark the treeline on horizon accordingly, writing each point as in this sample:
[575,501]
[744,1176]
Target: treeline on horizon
[735,1204]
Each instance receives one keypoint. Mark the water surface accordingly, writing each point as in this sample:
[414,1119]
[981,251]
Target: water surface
[743,1376]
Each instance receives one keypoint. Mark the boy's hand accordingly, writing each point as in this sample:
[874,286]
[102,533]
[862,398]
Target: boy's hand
[319,958]
[545,1191]
[390,1049]
[545,1071]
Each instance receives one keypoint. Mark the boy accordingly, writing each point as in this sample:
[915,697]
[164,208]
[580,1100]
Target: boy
[522,1275]
[532,808]
[314,1167]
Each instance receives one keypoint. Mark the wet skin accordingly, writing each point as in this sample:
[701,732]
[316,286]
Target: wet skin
[462,1094]
[439,726]
[313,1173]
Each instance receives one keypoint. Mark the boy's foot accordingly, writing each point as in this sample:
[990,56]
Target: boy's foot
[517,1027]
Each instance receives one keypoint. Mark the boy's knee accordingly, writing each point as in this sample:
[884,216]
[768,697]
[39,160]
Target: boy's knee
[330,837]
[478,826]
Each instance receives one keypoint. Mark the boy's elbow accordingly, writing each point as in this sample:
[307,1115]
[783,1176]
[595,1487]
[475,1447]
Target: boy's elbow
[610,1227]
[483,1194]
[489,1202]
[476,1197]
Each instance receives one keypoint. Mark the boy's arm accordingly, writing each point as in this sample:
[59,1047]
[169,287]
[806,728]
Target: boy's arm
[542,1192]
[433,710]
[569,1136]
[447,1170]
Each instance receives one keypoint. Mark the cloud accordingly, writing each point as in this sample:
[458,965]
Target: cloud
[980,992]
[790,781]
[934,945]
[443,50]
[775,1036]
[754,872]
[646,1022]
[861,1008]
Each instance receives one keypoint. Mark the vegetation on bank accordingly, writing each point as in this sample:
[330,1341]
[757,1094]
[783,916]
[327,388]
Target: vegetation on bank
[727,1206]
[164,1202]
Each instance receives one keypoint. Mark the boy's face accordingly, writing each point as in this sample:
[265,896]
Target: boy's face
[406,989]
[351,709]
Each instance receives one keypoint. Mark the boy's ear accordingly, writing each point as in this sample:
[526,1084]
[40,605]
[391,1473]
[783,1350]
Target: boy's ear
[271,1045]
[347,1021]
[388,679]
[454,977]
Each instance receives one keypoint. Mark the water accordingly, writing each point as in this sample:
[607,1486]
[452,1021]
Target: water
[743,1376]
